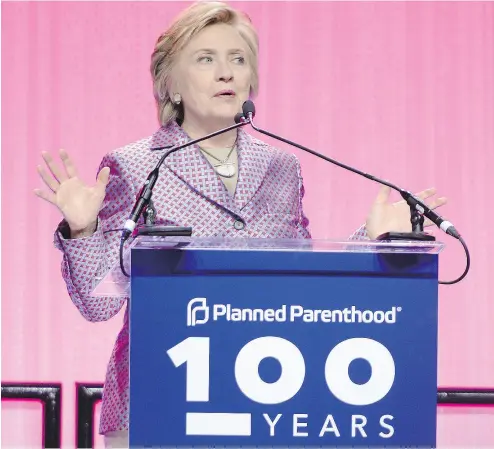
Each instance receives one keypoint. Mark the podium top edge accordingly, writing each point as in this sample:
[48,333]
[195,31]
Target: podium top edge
[267,244]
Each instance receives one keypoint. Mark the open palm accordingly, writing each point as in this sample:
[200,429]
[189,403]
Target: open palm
[78,203]
[395,217]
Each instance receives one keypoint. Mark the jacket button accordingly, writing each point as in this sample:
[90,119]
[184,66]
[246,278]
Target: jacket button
[239,225]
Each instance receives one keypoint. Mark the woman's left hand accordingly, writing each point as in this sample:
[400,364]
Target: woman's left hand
[395,217]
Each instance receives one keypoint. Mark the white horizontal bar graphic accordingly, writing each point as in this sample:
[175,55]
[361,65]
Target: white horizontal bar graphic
[218,424]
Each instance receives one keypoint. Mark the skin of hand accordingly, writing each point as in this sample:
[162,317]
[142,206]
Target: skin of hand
[78,202]
[385,216]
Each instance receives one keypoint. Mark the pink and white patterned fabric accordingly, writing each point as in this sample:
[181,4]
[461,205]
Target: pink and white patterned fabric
[267,200]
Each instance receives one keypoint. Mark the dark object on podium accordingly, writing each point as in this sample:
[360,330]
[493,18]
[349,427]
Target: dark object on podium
[422,236]
[417,233]
[164,231]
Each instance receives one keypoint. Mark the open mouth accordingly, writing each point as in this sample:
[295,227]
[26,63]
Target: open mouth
[225,94]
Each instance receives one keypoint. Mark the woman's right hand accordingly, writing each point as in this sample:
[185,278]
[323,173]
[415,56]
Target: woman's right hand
[78,203]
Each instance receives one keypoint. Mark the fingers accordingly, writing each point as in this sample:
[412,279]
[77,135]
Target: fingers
[383,195]
[68,164]
[103,177]
[50,182]
[434,205]
[426,193]
[437,203]
[56,171]
[47,196]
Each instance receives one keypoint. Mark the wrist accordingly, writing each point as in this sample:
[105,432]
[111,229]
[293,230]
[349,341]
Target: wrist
[88,231]
[370,232]
[371,235]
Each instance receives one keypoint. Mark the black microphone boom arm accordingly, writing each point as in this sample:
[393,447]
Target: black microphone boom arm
[417,207]
[147,189]
[144,197]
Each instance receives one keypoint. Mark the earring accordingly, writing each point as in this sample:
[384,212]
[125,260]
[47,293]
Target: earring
[177,98]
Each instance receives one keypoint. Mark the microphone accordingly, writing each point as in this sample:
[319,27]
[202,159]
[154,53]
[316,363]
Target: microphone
[416,205]
[147,189]
[144,196]
[249,109]
[239,117]
[417,208]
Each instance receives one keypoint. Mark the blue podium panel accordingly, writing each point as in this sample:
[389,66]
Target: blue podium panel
[265,348]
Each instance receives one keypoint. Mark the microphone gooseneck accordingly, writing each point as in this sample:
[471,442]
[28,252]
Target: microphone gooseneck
[144,196]
[147,189]
[417,207]
[414,202]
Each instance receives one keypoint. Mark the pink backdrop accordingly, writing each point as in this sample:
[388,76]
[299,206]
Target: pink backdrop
[402,90]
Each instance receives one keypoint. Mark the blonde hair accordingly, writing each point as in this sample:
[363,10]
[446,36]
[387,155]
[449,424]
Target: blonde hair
[190,22]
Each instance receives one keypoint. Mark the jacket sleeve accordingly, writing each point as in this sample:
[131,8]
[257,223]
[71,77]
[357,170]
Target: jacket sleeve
[360,234]
[87,259]
[303,222]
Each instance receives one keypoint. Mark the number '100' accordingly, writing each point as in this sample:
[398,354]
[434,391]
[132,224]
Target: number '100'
[195,352]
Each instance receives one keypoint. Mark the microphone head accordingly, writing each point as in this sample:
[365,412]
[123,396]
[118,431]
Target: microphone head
[239,117]
[249,108]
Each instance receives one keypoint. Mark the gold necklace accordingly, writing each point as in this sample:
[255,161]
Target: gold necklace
[224,168]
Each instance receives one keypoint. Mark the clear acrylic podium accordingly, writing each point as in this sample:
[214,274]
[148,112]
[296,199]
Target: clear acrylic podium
[280,343]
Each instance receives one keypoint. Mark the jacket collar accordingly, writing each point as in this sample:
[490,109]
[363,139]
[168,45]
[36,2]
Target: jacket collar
[193,168]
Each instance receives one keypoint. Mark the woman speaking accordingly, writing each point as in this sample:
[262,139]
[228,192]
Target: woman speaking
[204,67]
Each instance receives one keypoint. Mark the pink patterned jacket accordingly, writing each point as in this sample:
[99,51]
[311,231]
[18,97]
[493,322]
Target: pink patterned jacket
[267,203]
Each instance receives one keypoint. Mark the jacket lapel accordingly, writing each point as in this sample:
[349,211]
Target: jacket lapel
[191,166]
[253,160]
[194,169]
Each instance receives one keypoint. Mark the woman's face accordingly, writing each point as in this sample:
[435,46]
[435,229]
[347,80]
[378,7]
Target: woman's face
[213,75]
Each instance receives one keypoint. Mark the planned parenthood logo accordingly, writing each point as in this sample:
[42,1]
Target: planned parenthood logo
[198,312]
[194,308]
[204,372]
